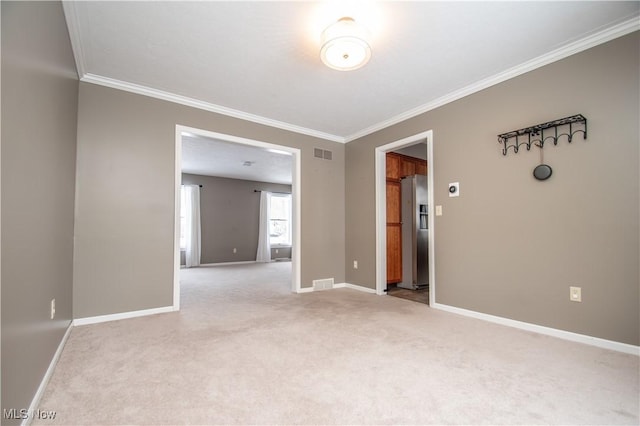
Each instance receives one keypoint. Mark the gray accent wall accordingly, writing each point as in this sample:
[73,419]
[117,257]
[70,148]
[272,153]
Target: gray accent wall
[39,116]
[510,245]
[125,199]
[229,217]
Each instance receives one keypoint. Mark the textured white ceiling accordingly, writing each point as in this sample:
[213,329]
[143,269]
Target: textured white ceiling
[260,60]
[212,157]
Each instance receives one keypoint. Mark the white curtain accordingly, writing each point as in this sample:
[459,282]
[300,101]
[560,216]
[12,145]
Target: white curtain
[192,225]
[264,248]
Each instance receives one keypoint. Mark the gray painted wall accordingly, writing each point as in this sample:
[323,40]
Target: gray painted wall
[229,216]
[510,245]
[125,199]
[39,113]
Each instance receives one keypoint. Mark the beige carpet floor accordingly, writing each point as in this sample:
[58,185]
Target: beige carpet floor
[244,350]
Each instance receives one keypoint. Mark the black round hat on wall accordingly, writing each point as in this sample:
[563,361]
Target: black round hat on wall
[542,172]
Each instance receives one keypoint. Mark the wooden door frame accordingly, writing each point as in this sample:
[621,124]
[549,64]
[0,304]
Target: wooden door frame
[381,209]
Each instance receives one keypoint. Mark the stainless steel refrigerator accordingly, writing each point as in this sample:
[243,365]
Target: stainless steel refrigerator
[415,232]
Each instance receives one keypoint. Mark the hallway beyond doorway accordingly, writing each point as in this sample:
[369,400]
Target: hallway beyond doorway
[420,295]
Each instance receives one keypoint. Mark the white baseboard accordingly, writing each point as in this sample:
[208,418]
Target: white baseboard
[561,334]
[122,315]
[340,285]
[243,262]
[356,287]
[47,376]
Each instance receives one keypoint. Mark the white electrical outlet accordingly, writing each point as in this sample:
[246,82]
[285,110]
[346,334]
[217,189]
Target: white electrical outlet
[438,210]
[235,250]
[575,294]
[355,264]
[53,308]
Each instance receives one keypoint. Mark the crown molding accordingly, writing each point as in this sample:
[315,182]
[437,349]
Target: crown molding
[623,28]
[195,103]
[73,26]
[619,30]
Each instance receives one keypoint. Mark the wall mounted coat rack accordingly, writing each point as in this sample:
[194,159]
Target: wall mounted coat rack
[535,135]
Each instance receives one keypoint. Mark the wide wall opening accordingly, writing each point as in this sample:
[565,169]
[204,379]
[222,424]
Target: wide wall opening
[244,195]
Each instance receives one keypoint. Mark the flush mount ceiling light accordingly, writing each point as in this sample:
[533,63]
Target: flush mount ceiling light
[345,46]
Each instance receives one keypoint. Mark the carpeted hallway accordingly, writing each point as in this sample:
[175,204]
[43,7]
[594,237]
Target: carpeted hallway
[245,350]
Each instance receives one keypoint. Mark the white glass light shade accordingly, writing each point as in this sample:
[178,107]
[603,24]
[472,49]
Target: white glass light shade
[344,45]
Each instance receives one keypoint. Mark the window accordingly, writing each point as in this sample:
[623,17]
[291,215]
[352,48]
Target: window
[280,220]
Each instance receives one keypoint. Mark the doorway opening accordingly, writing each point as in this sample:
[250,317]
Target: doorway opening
[242,144]
[387,231]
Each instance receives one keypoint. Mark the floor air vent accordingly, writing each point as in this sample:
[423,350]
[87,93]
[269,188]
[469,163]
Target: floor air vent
[324,284]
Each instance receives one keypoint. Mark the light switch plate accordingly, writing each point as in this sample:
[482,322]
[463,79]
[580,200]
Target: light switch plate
[575,294]
[438,210]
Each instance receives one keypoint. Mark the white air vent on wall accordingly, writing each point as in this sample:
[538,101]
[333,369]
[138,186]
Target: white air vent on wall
[324,284]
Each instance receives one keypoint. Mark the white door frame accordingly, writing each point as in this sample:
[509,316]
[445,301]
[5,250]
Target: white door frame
[295,198]
[381,210]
